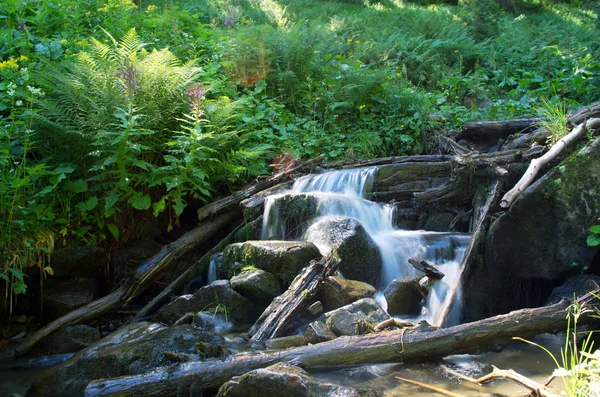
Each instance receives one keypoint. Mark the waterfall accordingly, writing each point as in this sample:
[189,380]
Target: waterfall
[212,269]
[342,193]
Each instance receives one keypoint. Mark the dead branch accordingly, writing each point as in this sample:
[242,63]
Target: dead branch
[537,164]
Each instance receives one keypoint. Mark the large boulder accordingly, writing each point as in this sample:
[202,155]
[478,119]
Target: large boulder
[356,318]
[260,286]
[540,241]
[288,215]
[218,296]
[545,230]
[284,259]
[337,292]
[574,287]
[88,261]
[359,256]
[134,349]
[403,296]
[284,379]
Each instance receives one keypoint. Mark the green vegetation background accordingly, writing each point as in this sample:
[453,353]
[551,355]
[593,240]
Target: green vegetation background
[113,111]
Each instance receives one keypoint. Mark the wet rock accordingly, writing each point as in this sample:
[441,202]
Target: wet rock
[317,332]
[68,340]
[284,259]
[250,231]
[285,342]
[403,296]
[316,308]
[213,322]
[283,379]
[337,292]
[575,286]
[133,349]
[74,262]
[293,212]
[219,296]
[64,296]
[356,318]
[360,258]
[260,286]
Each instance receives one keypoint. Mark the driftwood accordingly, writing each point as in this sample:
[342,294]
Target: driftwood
[538,163]
[422,343]
[425,267]
[231,202]
[498,129]
[143,277]
[537,389]
[288,307]
[478,232]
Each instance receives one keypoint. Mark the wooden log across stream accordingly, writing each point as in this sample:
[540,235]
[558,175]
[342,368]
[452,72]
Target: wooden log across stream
[423,343]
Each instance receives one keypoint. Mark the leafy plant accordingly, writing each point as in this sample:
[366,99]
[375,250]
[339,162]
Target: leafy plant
[593,239]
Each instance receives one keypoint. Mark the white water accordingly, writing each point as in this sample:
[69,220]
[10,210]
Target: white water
[341,193]
[212,269]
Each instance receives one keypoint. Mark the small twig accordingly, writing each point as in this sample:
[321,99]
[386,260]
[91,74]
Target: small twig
[430,387]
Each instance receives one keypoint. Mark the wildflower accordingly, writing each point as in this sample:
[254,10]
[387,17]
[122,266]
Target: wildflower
[197,94]
[128,80]
[35,91]
[151,8]
[9,64]
[19,103]
[11,89]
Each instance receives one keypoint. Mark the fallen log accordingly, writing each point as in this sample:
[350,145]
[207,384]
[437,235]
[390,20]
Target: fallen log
[583,114]
[286,308]
[232,201]
[498,129]
[143,277]
[537,164]
[423,343]
[478,232]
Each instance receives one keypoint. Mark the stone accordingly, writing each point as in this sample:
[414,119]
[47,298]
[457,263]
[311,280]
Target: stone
[316,308]
[210,350]
[337,292]
[545,230]
[356,318]
[213,322]
[317,332]
[285,342]
[290,215]
[133,349]
[574,286]
[129,258]
[359,255]
[88,261]
[284,379]
[67,340]
[439,222]
[218,296]
[284,259]
[260,286]
[64,296]
[403,296]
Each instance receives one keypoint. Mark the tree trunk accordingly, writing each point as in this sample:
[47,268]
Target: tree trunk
[423,343]
[288,307]
[498,129]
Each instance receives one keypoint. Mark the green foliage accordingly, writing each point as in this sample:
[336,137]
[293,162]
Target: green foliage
[593,239]
[554,119]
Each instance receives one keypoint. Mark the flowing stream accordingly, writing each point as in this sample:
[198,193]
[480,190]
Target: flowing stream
[342,193]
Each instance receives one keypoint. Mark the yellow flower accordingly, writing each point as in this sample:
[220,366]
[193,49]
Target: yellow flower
[151,8]
[11,63]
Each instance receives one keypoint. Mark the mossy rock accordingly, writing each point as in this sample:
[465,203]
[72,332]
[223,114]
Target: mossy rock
[258,285]
[284,259]
[291,214]
[337,292]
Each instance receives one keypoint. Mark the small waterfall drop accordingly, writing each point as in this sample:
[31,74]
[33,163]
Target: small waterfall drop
[342,193]
[212,269]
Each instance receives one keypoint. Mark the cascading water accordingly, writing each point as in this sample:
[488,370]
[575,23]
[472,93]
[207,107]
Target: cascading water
[342,193]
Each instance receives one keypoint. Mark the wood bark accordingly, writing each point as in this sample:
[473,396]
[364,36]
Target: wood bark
[498,129]
[288,307]
[584,114]
[143,277]
[478,232]
[422,343]
[537,164]
[231,202]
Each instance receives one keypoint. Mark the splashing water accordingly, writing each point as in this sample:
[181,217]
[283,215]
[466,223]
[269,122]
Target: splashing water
[342,193]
